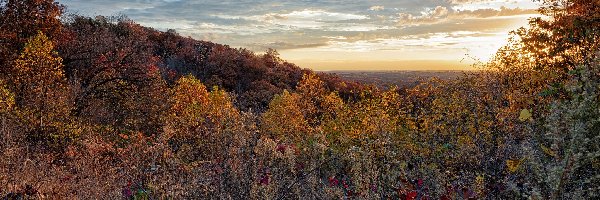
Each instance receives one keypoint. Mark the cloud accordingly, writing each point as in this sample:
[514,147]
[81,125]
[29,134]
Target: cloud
[300,19]
[470,1]
[441,14]
[429,17]
[377,8]
[280,45]
[373,28]
[439,11]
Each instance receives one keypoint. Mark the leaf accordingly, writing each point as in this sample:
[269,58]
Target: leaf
[525,115]
[548,92]
[548,151]
[411,195]
[513,165]
[447,146]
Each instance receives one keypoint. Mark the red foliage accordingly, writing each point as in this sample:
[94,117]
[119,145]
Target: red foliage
[411,195]
[265,177]
[281,148]
[333,181]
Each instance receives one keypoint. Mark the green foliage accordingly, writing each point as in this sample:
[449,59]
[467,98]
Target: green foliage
[566,160]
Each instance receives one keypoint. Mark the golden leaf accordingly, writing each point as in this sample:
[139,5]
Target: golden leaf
[513,165]
[525,115]
[548,151]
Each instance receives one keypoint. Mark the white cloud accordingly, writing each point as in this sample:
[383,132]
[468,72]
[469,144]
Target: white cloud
[493,4]
[321,15]
[441,14]
[439,11]
[377,8]
[372,28]
[306,19]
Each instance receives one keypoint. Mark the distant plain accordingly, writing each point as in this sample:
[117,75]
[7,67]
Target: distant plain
[401,78]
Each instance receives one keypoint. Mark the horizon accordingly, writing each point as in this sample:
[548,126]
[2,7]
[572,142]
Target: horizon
[329,35]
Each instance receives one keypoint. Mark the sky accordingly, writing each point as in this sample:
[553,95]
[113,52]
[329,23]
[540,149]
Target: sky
[337,34]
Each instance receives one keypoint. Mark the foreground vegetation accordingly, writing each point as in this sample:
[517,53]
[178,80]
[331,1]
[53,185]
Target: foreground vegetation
[104,108]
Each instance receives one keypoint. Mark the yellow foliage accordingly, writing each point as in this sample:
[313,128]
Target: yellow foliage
[38,67]
[284,118]
[465,141]
[7,99]
[221,106]
[201,122]
[311,91]
[513,165]
[44,104]
[192,107]
[525,115]
[188,97]
[332,106]
[480,184]
[548,151]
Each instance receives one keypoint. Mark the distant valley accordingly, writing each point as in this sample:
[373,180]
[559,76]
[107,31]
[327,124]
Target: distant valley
[385,79]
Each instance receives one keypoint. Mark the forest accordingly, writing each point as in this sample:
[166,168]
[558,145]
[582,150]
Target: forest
[104,108]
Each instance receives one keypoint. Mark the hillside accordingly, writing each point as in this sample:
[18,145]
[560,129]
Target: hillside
[253,78]
[103,108]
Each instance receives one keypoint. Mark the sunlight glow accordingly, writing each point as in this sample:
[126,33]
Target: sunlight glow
[324,32]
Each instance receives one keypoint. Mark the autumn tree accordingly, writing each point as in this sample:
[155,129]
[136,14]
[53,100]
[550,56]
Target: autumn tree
[21,20]
[7,99]
[311,91]
[39,75]
[199,118]
[188,114]
[566,38]
[7,103]
[539,58]
[564,153]
[189,100]
[333,124]
[284,119]
[538,69]
[291,150]
[204,127]
[41,88]
[116,78]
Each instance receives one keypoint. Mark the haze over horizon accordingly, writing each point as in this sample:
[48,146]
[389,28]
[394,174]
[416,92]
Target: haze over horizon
[338,35]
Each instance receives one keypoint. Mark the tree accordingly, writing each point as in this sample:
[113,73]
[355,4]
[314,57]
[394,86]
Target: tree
[41,88]
[543,54]
[7,103]
[284,119]
[535,99]
[115,76]
[311,91]
[567,38]
[189,101]
[200,118]
[40,80]
[7,99]
[21,20]
[564,155]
